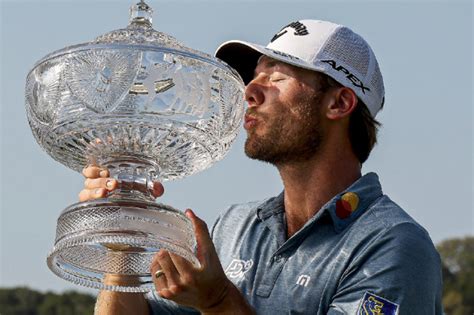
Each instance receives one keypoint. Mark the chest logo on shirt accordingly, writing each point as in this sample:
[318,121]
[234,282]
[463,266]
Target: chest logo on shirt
[376,305]
[303,280]
[237,268]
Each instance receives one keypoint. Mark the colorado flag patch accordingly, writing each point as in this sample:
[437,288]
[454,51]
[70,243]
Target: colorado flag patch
[376,305]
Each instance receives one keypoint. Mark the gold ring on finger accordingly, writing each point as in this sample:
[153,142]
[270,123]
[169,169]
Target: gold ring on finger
[159,273]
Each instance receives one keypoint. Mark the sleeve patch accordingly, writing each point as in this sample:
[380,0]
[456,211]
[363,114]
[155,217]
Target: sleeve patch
[376,305]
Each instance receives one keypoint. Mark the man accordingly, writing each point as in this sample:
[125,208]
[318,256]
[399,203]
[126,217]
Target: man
[331,242]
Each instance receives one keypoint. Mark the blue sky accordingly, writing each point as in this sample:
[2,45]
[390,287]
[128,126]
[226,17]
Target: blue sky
[425,151]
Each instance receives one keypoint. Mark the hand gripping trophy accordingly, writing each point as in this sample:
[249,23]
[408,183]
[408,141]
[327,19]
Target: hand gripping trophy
[148,108]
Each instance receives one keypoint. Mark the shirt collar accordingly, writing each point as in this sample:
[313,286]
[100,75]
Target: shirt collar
[344,208]
[271,207]
[348,205]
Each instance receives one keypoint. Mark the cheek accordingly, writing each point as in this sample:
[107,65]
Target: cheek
[300,108]
[289,105]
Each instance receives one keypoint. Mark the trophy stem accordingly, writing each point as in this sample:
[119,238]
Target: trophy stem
[135,178]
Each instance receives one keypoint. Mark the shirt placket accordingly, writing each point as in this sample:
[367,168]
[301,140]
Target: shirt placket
[282,250]
[275,263]
[272,271]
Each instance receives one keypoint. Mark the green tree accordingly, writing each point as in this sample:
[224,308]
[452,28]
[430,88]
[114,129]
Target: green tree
[19,301]
[69,303]
[457,256]
[24,301]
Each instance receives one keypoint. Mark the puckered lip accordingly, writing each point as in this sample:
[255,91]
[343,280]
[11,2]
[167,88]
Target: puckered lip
[249,121]
[248,118]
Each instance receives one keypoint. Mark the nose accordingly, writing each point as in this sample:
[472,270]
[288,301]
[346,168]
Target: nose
[254,94]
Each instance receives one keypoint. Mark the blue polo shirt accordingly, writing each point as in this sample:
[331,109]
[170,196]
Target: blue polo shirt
[359,254]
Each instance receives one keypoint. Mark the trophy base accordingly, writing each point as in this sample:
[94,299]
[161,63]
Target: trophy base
[108,244]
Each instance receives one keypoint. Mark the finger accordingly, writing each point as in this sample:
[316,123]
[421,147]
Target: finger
[89,194]
[107,183]
[158,189]
[203,238]
[92,171]
[160,282]
[164,260]
[185,268]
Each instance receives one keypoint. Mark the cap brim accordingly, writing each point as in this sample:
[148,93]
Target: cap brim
[241,56]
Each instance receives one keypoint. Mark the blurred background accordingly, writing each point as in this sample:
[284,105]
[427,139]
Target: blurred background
[424,157]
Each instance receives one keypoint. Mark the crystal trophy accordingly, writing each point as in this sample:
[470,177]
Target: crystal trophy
[136,101]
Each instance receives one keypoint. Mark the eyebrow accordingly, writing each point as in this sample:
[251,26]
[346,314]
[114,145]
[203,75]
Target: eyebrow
[269,64]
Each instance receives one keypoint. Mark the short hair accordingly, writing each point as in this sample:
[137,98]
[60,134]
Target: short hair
[363,130]
[363,127]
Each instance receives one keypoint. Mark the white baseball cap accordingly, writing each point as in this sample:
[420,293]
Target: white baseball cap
[329,48]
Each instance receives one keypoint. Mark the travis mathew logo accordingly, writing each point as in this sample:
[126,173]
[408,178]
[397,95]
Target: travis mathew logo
[237,268]
[303,280]
[355,80]
[300,30]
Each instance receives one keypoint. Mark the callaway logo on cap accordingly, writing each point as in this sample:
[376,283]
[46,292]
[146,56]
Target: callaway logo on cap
[320,46]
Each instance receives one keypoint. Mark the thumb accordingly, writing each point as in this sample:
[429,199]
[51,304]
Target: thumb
[203,239]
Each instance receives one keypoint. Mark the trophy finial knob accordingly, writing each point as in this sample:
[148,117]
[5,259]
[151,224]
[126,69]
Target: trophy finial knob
[141,13]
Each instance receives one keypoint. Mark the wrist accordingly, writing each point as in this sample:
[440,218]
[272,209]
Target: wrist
[230,302]
[120,280]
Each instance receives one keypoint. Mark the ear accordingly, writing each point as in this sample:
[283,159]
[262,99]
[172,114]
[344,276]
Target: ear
[343,103]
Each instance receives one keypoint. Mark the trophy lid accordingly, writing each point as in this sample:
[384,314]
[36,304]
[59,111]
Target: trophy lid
[139,33]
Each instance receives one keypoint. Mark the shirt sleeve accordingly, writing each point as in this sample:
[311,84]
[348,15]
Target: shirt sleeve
[398,273]
[160,306]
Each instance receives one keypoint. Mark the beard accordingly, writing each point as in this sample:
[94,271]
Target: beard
[291,136]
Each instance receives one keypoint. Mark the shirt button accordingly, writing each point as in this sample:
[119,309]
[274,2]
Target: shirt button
[277,258]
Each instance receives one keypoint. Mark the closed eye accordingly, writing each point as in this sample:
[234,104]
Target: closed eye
[276,79]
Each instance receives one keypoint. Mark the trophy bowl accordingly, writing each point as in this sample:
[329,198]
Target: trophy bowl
[143,105]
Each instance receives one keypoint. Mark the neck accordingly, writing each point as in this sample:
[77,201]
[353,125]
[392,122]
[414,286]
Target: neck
[311,184]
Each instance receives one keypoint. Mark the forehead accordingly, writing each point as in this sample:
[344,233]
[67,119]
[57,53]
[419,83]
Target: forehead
[268,64]
[265,62]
